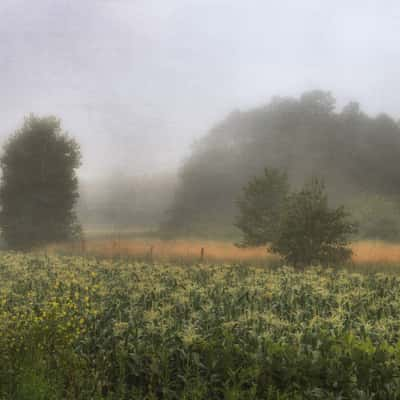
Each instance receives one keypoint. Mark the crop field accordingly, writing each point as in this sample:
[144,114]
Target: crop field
[76,327]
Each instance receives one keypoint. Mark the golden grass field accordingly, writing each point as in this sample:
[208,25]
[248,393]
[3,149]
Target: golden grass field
[374,252]
[168,250]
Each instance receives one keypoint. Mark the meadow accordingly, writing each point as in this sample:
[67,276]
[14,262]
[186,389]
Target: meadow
[87,327]
[368,254]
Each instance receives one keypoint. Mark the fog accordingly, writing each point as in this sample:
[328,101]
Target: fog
[137,82]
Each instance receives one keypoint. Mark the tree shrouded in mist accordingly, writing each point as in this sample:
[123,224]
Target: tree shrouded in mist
[260,207]
[356,154]
[310,232]
[301,227]
[39,186]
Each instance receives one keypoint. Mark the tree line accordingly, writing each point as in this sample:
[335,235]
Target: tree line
[355,154]
[248,172]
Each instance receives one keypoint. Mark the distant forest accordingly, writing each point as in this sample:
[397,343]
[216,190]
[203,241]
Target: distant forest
[121,203]
[357,155]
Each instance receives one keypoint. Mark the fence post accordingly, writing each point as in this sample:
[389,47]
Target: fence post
[151,253]
[119,243]
[202,254]
[83,246]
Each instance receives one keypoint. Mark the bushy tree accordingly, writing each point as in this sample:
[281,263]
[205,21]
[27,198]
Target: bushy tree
[260,207]
[299,226]
[310,232]
[39,186]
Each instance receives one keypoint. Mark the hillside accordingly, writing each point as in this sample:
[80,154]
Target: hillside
[356,154]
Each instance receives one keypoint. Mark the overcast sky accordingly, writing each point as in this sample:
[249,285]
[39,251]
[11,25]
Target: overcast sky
[137,81]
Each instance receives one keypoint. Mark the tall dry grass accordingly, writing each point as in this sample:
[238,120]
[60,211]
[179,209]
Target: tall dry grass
[365,252]
[376,252]
[168,250]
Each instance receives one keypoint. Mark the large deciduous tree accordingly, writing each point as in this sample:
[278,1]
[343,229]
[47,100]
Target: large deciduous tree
[39,186]
[310,232]
[301,226]
[260,207]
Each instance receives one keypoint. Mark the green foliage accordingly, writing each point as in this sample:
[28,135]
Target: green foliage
[300,226]
[305,136]
[310,232]
[75,328]
[378,217]
[39,186]
[260,207]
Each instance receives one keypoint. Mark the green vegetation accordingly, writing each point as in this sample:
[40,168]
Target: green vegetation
[84,328]
[354,153]
[260,208]
[378,217]
[299,226]
[39,185]
[310,232]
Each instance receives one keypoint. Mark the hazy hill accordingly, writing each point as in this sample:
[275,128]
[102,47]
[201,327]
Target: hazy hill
[355,153]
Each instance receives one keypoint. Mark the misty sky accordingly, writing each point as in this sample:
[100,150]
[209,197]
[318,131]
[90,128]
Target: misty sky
[136,81]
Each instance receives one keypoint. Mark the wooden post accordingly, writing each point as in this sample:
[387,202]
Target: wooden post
[151,253]
[119,243]
[202,254]
[83,246]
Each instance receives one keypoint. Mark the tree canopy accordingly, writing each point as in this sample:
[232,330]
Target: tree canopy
[300,226]
[39,186]
[309,231]
[307,136]
[260,207]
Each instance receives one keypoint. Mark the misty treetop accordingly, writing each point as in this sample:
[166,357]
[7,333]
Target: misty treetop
[39,186]
[307,136]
